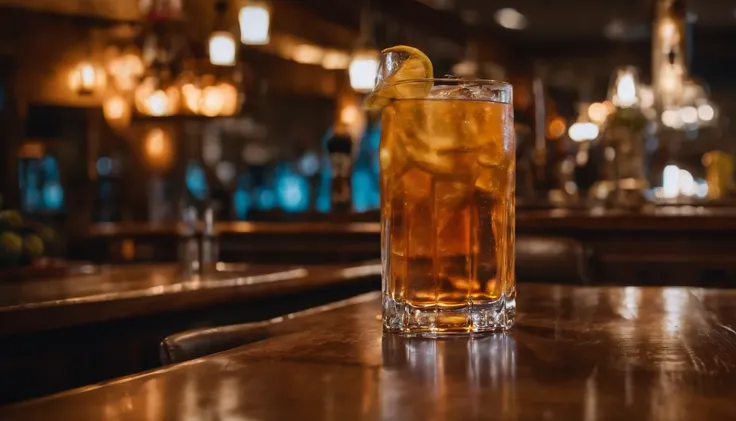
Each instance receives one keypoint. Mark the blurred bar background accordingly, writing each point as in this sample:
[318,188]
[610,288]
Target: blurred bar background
[211,145]
[120,117]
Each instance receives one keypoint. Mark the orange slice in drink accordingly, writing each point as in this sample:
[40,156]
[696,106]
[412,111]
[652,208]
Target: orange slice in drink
[401,63]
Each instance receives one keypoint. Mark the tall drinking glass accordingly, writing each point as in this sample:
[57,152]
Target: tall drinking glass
[447,208]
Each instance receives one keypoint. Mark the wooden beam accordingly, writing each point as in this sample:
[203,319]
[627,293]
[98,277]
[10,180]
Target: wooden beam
[123,10]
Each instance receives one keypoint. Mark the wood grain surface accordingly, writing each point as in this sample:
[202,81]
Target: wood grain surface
[120,292]
[576,353]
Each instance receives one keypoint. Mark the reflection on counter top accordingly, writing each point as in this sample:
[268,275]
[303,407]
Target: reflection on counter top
[68,331]
[126,282]
[153,288]
[575,353]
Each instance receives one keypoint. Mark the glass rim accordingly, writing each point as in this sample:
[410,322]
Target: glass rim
[503,89]
[488,82]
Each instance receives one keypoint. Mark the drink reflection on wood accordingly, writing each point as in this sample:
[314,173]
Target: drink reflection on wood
[487,362]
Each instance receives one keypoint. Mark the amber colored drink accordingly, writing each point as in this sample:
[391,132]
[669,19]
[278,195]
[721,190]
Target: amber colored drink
[447,203]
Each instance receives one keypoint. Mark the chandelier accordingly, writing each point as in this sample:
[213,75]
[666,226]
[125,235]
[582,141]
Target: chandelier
[363,66]
[680,102]
[157,78]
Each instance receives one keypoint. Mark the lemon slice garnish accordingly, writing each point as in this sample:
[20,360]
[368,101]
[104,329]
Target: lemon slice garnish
[400,63]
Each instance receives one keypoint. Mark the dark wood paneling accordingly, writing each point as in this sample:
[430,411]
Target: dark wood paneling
[9,132]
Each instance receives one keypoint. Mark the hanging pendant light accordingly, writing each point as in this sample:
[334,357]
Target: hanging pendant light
[222,45]
[158,149]
[86,78]
[157,96]
[363,67]
[222,48]
[116,110]
[125,68]
[190,89]
[624,91]
[255,22]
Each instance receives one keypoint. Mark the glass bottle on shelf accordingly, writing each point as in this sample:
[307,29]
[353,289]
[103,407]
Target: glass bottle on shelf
[189,255]
[340,147]
[209,244]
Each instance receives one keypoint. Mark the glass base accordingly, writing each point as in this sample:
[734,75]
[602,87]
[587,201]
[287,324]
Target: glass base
[486,317]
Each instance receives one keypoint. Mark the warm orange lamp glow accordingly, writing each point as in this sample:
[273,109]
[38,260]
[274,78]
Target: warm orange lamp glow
[255,22]
[556,128]
[125,70]
[153,100]
[85,78]
[158,149]
[116,110]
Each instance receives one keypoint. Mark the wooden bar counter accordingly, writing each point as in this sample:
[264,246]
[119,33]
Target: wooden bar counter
[119,292]
[65,332]
[666,245]
[576,353]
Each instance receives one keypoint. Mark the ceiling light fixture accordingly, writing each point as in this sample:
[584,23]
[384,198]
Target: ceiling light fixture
[363,66]
[255,22]
[222,47]
[510,18]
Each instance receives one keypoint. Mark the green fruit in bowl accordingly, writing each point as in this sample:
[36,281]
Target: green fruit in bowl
[46,234]
[33,246]
[11,249]
[10,219]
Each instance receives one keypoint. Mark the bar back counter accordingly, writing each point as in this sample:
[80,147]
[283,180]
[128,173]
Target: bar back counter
[685,246]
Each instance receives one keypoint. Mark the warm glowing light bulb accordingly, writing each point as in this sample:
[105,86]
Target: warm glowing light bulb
[671,181]
[229,99]
[222,48]
[597,113]
[334,59]
[157,103]
[671,118]
[689,114]
[125,70]
[625,91]
[155,144]
[255,22]
[308,54]
[556,128]
[363,70]
[213,101]
[670,82]
[85,78]
[706,112]
[349,114]
[158,149]
[668,30]
[115,107]
[191,95]
[116,111]
[580,132]
[686,183]
[510,18]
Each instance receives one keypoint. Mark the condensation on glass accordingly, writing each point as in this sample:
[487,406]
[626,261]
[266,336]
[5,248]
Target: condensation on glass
[447,209]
